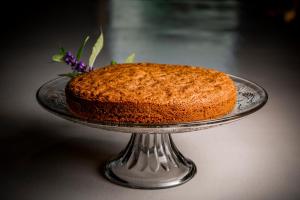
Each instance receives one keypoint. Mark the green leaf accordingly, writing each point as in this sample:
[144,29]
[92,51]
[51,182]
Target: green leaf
[58,58]
[79,52]
[130,58]
[71,74]
[96,49]
[62,51]
[113,62]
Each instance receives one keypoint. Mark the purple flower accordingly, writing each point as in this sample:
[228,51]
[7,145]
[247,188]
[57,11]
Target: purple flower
[70,59]
[67,60]
[76,65]
[69,54]
[80,66]
[74,62]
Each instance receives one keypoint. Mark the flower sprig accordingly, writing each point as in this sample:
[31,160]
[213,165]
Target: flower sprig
[78,66]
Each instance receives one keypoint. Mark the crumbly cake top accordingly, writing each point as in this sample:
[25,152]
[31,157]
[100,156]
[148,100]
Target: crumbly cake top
[152,83]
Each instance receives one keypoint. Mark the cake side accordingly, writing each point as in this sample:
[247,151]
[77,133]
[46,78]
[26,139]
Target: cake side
[146,112]
[151,93]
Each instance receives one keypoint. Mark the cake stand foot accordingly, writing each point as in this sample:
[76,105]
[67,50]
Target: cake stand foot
[150,161]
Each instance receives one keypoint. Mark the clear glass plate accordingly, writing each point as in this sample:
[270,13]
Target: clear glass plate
[151,160]
[251,97]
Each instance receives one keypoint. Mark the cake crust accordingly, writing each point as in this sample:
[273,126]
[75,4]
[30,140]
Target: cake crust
[151,93]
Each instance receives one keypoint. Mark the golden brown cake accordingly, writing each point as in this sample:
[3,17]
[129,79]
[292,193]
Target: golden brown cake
[151,93]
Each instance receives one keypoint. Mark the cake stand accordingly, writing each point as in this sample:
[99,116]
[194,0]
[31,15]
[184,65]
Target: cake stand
[151,160]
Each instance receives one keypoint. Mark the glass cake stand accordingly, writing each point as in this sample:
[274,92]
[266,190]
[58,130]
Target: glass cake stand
[151,160]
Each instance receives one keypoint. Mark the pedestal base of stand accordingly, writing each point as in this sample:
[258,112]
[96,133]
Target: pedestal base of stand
[150,161]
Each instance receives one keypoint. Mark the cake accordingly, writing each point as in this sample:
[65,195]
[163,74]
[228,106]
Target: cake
[151,93]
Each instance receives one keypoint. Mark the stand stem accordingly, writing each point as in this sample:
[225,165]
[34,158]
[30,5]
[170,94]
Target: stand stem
[150,161]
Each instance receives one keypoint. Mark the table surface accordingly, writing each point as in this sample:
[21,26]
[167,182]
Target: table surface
[46,157]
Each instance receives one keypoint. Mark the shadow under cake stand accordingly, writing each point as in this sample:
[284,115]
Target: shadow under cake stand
[151,160]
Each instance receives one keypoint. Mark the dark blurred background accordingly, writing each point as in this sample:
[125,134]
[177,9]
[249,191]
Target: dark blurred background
[45,157]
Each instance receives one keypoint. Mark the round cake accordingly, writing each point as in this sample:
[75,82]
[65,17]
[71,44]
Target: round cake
[151,93]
